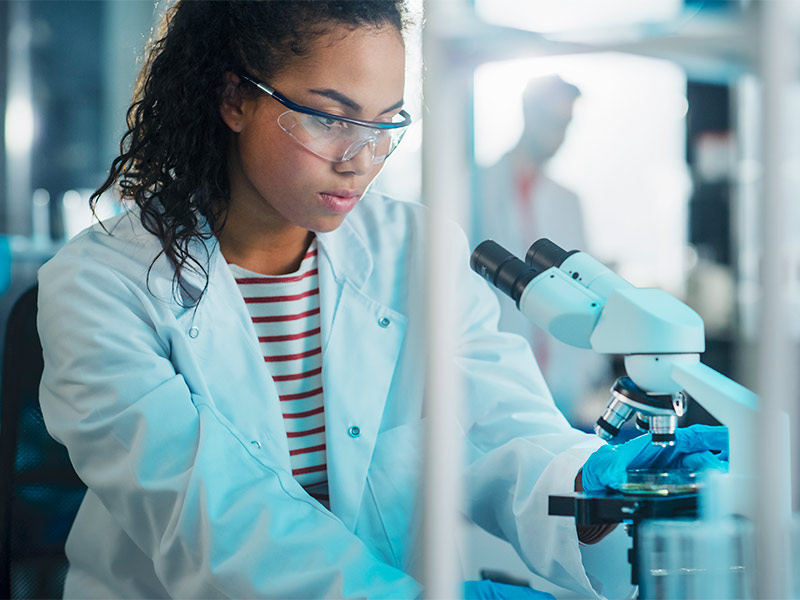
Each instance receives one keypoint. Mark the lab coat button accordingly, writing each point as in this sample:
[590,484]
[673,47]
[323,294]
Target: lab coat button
[354,431]
[384,322]
[194,332]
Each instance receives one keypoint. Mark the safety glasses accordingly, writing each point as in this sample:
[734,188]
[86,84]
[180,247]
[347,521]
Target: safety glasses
[335,137]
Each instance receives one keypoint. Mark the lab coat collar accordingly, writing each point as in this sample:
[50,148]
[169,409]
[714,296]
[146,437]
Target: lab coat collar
[350,260]
[206,251]
[195,276]
[347,252]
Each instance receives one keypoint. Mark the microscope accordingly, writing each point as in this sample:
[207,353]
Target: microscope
[581,302]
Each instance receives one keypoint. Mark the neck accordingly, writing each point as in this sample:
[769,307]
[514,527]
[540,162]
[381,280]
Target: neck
[269,251]
[255,236]
[523,162]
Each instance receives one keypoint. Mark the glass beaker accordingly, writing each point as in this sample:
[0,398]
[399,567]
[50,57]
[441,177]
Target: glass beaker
[696,559]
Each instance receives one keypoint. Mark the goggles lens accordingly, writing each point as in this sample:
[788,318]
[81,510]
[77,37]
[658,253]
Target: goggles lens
[339,141]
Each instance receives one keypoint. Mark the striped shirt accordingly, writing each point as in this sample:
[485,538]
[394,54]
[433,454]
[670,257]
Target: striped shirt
[285,314]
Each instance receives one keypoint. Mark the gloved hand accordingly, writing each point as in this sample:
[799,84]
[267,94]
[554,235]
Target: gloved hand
[694,449]
[490,590]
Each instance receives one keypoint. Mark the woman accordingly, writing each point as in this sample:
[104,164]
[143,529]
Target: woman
[233,363]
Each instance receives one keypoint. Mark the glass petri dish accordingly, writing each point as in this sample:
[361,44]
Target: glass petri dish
[659,482]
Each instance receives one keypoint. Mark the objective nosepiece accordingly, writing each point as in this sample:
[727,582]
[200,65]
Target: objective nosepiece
[501,268]
[654,413]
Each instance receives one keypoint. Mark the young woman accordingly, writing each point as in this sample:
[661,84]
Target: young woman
[233,363]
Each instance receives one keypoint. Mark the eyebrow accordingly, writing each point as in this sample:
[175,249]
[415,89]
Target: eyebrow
[348,102]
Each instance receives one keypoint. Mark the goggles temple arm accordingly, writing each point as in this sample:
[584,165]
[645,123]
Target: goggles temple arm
[318,113]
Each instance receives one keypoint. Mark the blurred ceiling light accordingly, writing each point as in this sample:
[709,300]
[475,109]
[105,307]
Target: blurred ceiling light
[19,126]
[564,15]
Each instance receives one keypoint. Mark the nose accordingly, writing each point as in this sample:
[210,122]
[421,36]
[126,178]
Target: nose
[358,164]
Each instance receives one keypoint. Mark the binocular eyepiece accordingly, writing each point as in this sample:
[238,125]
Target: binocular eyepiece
[507,272]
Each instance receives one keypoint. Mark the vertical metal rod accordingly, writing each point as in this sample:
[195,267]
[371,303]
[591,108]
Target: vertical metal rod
[5,13]
[774,363]
[128,24]
[442,180]
[19,120]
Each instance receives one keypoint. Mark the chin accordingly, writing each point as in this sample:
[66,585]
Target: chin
[326,225]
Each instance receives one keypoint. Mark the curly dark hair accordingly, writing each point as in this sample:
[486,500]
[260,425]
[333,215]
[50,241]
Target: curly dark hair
[172,162]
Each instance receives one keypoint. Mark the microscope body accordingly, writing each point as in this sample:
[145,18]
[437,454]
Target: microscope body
[581,302]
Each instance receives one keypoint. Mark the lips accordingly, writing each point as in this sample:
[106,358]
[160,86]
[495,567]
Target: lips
[340,202]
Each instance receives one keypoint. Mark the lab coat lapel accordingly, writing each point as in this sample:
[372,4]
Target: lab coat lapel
[254,408]
[361,344]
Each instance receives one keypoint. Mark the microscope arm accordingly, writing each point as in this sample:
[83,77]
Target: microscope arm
[729,403]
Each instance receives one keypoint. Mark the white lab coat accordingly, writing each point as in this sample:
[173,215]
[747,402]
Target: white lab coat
[571,373]
[173,423]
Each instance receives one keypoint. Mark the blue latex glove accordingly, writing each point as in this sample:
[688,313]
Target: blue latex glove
[698,447]
[490,590]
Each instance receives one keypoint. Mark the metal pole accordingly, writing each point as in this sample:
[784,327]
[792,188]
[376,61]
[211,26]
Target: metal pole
[4,34]
[444,187]
[19,120]
[775,362]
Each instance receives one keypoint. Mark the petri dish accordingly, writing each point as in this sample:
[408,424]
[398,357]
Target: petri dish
[660,482]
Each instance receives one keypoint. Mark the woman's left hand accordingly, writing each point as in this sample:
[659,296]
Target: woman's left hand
[698,448]
[491,590]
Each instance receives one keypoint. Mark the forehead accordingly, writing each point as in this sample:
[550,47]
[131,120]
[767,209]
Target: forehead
[366,63]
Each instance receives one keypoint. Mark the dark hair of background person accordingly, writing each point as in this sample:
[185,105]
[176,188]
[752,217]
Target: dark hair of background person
[172,162]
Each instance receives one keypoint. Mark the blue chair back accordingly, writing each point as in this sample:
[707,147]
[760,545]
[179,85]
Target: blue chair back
[39,490]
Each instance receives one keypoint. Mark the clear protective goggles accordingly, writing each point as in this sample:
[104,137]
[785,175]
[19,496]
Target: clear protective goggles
[335,137]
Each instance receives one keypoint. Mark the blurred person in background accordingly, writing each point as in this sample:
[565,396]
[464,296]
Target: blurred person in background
[520,203]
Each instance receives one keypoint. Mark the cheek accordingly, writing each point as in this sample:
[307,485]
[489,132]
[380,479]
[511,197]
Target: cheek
[294,168]
[272,158]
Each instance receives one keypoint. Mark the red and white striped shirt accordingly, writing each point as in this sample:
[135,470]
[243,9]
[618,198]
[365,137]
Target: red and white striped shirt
[285,314]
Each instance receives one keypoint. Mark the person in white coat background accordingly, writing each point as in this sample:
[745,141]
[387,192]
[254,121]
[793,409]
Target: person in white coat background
[233,363]
[520,203]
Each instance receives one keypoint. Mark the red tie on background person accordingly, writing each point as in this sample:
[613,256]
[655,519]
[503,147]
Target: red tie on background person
[524,183]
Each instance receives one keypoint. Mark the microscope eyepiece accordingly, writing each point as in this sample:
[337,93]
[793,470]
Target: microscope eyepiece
[501,268]
[544,254]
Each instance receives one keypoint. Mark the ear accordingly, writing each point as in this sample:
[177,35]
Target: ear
[230,107]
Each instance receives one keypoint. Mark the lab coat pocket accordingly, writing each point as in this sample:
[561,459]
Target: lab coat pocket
[393,484]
